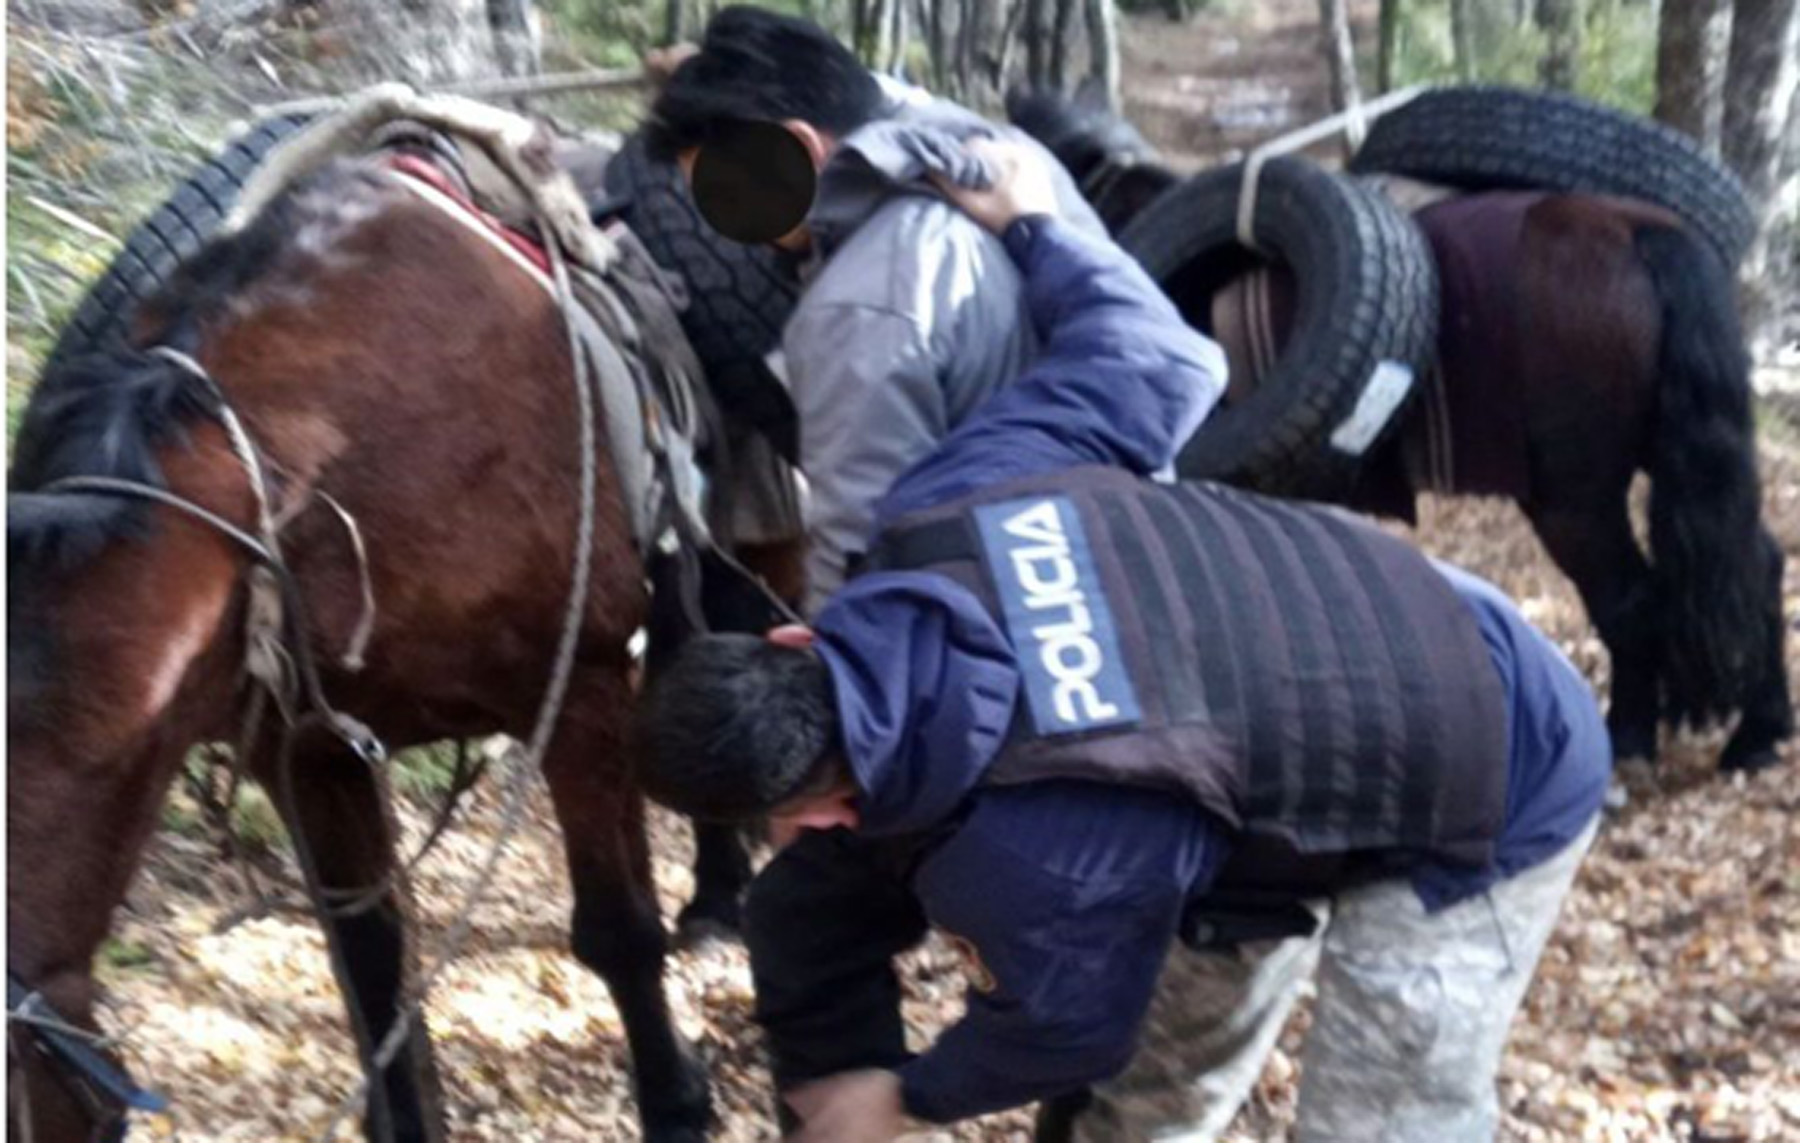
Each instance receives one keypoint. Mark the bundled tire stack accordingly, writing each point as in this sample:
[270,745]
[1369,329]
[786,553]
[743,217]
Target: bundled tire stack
[1366,305]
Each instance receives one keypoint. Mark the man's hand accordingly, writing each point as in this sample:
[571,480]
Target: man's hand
[854,1107]
[1022,185]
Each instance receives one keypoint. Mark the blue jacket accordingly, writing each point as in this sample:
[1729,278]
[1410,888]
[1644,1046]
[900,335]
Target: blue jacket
[1069,894]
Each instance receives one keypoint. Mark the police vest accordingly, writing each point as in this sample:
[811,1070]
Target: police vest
[1304,676]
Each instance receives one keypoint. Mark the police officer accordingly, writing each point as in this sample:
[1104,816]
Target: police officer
[1098,727]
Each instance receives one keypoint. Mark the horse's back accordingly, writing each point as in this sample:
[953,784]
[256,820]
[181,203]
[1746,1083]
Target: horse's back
[1548,321]
[390,357]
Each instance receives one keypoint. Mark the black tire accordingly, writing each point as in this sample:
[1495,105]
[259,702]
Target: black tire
[168,237]
[1492,138]
[1367,294]
[739,297]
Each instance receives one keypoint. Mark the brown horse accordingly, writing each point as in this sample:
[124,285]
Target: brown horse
[1590,340]
[383,357]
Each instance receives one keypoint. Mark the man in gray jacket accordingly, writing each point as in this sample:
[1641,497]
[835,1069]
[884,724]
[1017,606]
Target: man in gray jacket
[912,313]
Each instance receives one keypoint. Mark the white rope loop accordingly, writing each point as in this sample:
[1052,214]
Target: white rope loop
[516,783]
[1352,123]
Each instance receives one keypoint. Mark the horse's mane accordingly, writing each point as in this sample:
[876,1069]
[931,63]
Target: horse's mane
[107,411]
[1076,132]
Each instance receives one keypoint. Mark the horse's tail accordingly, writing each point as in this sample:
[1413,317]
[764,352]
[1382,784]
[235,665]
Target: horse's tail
[1706,539]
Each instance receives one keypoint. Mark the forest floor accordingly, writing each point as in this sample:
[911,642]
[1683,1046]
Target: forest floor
[1667,1006]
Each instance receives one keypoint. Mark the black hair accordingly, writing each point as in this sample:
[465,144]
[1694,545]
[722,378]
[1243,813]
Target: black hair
[757,64]
[735,726]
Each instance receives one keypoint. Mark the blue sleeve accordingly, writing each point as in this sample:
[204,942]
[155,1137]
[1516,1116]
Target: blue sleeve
[1062,898]
[1121,380]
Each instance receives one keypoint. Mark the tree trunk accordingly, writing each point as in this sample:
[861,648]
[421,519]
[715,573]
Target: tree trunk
[1690,66]
[895,64]
[1462,38]
[675,22]
[518,49]
[1340,53]
[1759,86]
[966,27]
[1062,31]
[881,20]
[1388,44]
[1035,33]
[1008,39]
[1560,21]
[937,44]
[1103,49]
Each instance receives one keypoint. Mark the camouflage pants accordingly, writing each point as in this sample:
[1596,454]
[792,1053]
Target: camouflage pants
[1412,1014]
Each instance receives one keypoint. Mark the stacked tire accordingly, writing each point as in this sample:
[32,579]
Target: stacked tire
[172,233]
[1496,138]
[1367,306]
[1367,283]
[739,297]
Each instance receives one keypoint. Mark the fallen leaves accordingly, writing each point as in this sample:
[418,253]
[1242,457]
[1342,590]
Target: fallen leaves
[1666,1008]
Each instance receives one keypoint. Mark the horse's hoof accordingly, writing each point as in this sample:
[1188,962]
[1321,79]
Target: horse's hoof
[680,1112]
[1748,760]
[706,922]
[694,933]
[1633,746]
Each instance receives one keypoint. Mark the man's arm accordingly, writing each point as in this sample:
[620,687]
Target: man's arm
[1063,955]
[1121,380]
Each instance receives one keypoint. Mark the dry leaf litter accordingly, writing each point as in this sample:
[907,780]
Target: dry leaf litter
[1667,1006]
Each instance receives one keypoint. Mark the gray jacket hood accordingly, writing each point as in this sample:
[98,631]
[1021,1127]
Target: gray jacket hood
[894,154]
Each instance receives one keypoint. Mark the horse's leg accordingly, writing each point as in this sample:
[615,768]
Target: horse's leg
[721,852]
[1768,716]
[331,806]
[617,929]
[1592,542]
[721,871]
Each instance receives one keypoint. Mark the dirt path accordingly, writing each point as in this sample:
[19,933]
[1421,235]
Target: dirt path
[1238,73]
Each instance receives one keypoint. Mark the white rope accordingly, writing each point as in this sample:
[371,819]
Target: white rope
[353,656]
[516,783]
[23,1014]
[1352,122]
[594,79]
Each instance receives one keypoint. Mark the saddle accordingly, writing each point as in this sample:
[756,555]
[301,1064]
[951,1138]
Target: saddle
[510,181]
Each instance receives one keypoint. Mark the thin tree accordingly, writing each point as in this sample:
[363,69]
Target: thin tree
[1759,86]
[518,48]
[1560,21]
[1340,53]
[674,22]
[1062,35]
[938,44]
[1388,44]
[1462,38]
[1691,40]
[970,19]
[901,11]
[1035,33]
[1103,50]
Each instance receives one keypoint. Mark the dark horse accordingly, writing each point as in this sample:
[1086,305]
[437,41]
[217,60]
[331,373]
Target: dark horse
[1608,346]
[380,355]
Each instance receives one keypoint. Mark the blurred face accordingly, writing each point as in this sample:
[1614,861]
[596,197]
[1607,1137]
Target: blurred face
[748,179]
